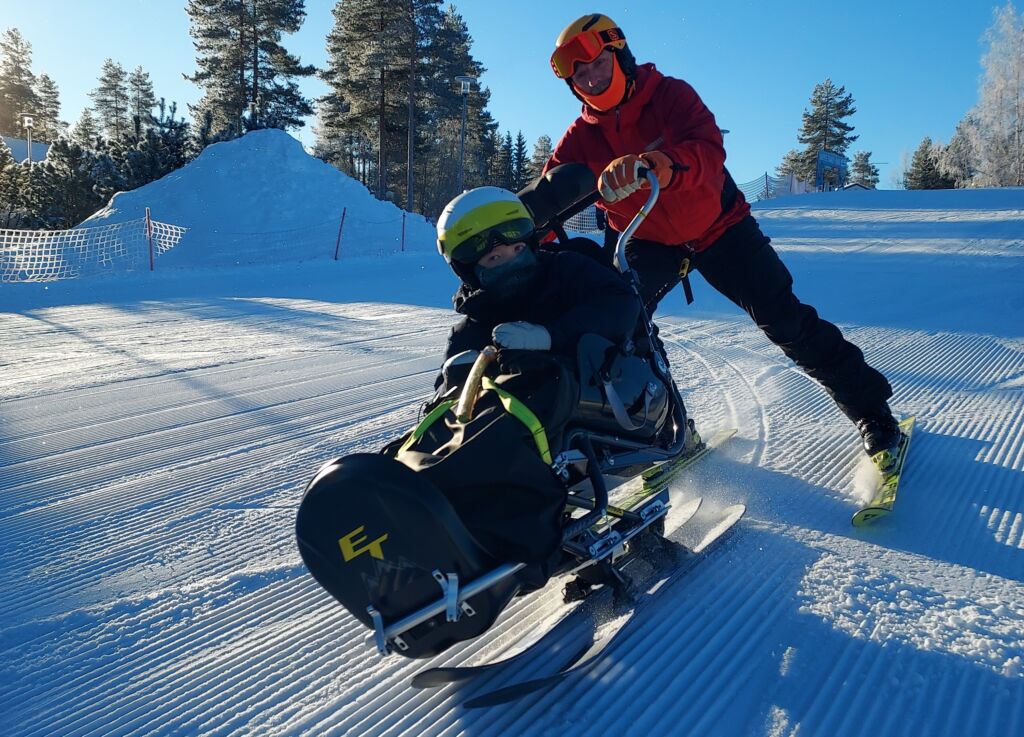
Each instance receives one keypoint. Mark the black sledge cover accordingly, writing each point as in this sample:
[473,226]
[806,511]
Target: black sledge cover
[371,531]
[463,498]
[491,471]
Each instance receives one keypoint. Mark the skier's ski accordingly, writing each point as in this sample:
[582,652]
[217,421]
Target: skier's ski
[890,467]
[442,676]
[606,635]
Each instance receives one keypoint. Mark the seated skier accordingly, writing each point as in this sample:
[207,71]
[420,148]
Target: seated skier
[517,296]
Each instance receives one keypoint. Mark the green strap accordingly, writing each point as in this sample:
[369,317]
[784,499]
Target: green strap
[525,415]
[433,416]
[512,405]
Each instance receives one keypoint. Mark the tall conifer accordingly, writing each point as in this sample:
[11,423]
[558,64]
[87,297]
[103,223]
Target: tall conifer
[49,126]
[17,83]
[141,99]
[110,100]
[246,74]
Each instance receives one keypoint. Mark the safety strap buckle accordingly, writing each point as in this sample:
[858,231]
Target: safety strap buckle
[684,277]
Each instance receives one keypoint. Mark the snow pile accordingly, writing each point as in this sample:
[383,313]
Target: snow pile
[262,199]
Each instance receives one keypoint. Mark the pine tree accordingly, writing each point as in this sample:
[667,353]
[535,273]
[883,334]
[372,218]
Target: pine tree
[86,131]
[824,127]
[247,76]
[141,100]
[106,179]
[17,83]
[175,136]
[959,160]
[110,100]
[369,50]
[48,127]
[520,163]
[155,152]
[8,186]
[424,50]
[924,169]
[795,162]
[69,186]
[482,139]
[542,152]
[862,171]
[1000,110]
[383,60]
[505,172]
[35,199]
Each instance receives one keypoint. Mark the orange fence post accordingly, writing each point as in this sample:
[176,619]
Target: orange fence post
[337,245]
[149,237]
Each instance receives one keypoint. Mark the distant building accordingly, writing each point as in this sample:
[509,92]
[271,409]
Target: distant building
[20,150]
[856,185]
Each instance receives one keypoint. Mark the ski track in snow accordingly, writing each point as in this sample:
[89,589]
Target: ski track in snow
[153,454]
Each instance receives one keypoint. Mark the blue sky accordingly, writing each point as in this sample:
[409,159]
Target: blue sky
[913,66]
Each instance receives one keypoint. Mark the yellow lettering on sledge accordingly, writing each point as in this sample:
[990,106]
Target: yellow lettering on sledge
[349,542]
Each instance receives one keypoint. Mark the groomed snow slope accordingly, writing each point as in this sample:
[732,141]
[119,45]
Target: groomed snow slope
[156,432]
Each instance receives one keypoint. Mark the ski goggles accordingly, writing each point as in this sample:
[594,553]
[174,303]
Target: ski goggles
[477,246]
[583,48]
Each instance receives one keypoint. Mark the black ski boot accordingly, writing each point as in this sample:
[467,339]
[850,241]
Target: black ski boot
[879,431]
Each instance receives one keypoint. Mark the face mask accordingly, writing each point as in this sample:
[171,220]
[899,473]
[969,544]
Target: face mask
[612,95]
[511,277]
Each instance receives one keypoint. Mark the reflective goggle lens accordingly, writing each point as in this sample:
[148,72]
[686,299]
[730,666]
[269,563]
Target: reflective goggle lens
[582,48]
[475,247]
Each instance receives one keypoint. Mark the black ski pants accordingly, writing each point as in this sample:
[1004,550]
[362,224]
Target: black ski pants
[744,267]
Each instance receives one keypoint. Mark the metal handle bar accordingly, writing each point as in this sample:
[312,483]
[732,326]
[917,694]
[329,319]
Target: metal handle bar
[620,246]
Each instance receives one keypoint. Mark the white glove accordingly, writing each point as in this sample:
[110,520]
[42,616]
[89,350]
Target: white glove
[621,178]
[524,336]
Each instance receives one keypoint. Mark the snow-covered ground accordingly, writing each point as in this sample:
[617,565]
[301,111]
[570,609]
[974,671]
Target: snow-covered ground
[19,149]
[156,431]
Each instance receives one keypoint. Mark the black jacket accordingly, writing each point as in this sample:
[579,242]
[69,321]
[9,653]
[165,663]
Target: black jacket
[574,295]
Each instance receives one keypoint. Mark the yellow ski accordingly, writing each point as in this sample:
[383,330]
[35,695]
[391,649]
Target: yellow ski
[890,467]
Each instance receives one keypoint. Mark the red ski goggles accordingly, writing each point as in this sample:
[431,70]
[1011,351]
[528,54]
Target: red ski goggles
[583,48]
[477,246]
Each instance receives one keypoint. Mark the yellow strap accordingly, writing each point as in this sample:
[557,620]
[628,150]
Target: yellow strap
[684,268]
[512,405]
[525,415]
[425,424]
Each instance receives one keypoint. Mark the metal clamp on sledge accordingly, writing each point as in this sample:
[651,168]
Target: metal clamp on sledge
[453,604]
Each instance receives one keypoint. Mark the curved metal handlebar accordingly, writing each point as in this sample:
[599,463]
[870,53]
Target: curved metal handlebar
[470,392]
[620,247]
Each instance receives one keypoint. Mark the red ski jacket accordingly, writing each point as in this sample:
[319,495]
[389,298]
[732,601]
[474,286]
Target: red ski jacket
[663,114]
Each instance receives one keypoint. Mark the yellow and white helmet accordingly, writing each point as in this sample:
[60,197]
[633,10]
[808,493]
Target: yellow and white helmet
[477,220]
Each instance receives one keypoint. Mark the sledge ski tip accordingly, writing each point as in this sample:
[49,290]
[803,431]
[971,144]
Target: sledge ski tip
[730,516]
